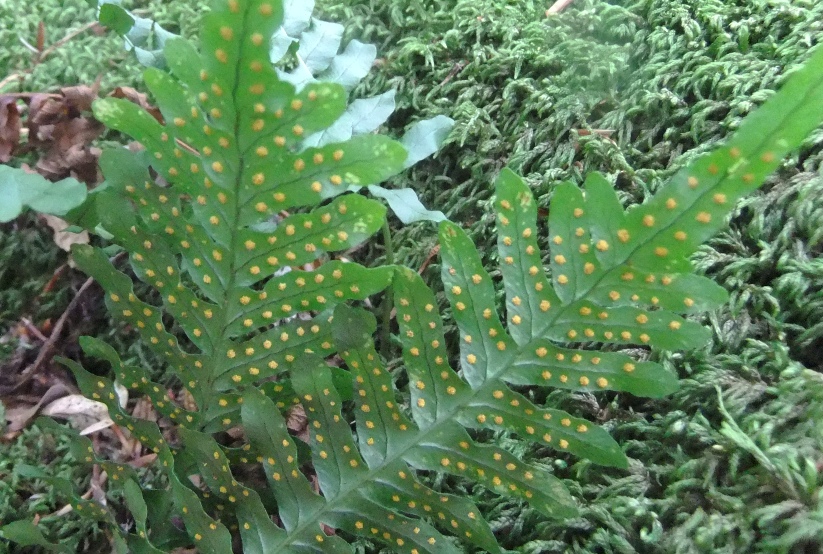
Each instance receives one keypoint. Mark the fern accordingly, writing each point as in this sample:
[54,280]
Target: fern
[232,150]
[310,47]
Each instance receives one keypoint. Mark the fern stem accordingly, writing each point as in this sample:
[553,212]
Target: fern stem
[387,305]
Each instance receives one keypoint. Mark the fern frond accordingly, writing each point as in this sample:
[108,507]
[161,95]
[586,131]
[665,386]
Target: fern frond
[215,242]
[603,287]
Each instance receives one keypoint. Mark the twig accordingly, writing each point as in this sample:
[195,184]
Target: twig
[11,78]
[457,68]
[30,94]
[385,329]
[434,251]
[58,273]
[32,328]
[47,52]
[48,347]
[558,7]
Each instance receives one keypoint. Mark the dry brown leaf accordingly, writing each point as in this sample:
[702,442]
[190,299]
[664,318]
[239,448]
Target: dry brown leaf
[69,153]
[80,98]
[84,413]
[62,238]
[140,99]
[44,112]
[9,127]
[298,422]
[20,416]
[58,127]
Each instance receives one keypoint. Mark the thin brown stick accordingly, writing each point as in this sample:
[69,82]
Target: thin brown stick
[432,253]
[32,328]
[457,68]
[47,52]
[29,94]
[558,7]
[47,348]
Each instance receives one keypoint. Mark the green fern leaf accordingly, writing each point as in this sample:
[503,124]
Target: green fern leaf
[208,533]
[26,533]
[364,480]
[216,243]
[385,434]
[487,351]
[615,277]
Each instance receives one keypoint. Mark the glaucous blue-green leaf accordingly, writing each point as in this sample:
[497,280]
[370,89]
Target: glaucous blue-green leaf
[350,66]
[319,44]
[144,36]
[297,16]
[406,205]
[20,189]
[362,116]
[367,114]
[280,45]
[425,137]
[299,76]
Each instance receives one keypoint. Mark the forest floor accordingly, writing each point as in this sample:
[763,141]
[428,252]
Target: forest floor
[733,461]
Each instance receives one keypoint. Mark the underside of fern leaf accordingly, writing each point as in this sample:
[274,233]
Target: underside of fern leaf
[615,278]
[217,243]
